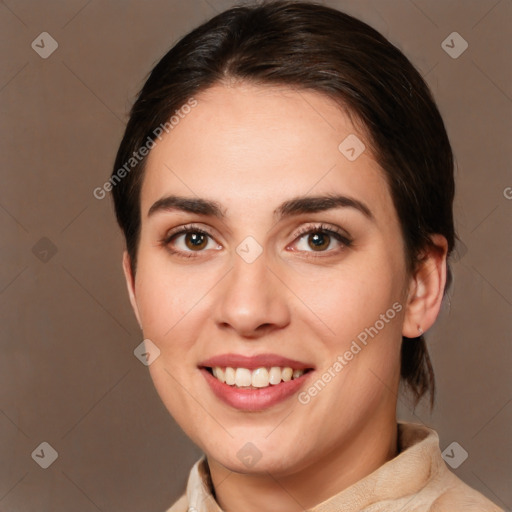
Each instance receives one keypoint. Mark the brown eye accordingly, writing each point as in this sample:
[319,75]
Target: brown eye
[189,241]
[196,241]
[319,241]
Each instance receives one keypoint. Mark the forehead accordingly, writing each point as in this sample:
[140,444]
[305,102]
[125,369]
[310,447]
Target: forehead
[257,145]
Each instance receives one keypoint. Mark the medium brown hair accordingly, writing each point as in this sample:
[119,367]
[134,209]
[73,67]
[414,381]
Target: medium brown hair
[312,47]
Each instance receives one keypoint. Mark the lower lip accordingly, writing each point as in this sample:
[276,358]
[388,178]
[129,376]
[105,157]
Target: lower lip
[253,399]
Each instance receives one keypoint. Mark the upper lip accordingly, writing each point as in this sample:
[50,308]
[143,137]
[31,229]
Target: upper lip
[252,362]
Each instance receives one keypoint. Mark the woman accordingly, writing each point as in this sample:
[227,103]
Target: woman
[285,188]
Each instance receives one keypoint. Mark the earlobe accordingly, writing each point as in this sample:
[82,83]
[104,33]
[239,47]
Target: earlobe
[426,289]
[130,284]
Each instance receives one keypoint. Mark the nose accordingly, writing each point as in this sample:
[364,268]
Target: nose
[252,301]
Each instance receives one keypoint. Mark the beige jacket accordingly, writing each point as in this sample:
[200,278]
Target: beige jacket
[416,480]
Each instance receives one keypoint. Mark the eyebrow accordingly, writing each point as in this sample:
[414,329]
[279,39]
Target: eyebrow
[313,204]
[295,206]
[187,204]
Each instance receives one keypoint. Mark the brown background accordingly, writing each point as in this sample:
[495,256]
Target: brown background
[67,369]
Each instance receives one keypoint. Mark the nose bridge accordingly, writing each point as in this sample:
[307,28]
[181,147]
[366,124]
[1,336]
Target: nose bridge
[252,299]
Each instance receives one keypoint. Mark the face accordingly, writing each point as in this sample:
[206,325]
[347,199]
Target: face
[269,259]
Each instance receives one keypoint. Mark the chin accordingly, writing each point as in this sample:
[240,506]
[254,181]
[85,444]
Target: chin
[258,458]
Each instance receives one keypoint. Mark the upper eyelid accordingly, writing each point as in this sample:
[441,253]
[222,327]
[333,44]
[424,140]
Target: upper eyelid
[323,227]
[187,228]
[302,230]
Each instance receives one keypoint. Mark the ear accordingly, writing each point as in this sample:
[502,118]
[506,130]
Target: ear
[426,289]
[130,284]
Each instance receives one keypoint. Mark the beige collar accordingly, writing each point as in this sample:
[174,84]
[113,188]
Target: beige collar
[416,479]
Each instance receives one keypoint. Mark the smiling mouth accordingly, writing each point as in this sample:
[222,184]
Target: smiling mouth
[244,378]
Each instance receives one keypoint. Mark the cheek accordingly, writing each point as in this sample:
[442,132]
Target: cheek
[167,294]
[348,299]
[361,316]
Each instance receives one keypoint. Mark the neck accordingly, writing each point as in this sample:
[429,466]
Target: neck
[374,445]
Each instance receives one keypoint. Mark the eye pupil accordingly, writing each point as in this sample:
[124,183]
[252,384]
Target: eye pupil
[195,241]
[318,241]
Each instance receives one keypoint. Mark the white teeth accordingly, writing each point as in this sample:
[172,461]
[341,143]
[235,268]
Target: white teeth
[243,377]
[274,376]
[260,378]
[257,378]
[286,374]
[229,375]
[219,374]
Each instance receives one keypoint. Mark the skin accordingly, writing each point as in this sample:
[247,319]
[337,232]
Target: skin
[250,148]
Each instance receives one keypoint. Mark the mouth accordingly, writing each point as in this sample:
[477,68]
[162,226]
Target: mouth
[254,383]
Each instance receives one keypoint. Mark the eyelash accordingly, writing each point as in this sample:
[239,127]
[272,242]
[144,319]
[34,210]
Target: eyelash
[343,239]
[324,229]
